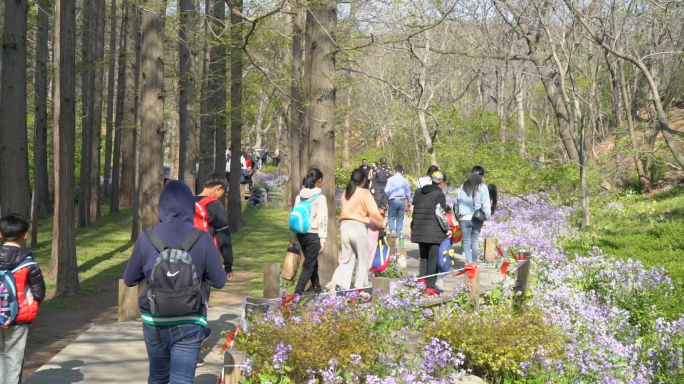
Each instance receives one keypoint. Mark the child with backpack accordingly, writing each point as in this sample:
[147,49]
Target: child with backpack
[174,258]
[22,288]
[309,220]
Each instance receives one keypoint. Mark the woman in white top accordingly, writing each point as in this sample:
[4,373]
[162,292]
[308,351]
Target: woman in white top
[427,180]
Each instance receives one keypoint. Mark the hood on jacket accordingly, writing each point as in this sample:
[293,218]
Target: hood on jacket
[176,204]
[307,193]
[429,188]
[11,256]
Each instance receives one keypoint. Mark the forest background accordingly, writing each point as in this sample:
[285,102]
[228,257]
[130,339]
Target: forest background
[576,98]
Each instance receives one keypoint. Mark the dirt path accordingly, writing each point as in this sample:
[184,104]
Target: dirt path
[57,327]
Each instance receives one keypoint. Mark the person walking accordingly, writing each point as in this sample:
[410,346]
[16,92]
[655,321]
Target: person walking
[264,157]
[380,176]
[398,191]
[173,329]
[427,180]
[429,227]
[312,243]
[473,196]
[358,211]
[366,171]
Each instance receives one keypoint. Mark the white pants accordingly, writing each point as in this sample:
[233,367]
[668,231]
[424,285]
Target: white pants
[354,239]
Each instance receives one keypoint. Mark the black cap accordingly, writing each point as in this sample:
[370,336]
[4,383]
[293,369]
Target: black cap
[383,160]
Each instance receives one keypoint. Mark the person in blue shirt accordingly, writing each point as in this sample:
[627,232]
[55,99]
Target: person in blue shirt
[473,195]
[398,191]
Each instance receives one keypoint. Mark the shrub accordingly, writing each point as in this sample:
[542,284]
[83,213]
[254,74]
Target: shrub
[333,330]
[499,343]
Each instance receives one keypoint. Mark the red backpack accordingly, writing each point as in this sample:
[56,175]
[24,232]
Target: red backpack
[201,215]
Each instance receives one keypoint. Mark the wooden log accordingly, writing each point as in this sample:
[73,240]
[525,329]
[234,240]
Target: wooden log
[392,242]
[474,287]
[380,287]
[401,261]
[524,274]
[272,280]
[233,362]
[129,308]
[258,306]
[490,250]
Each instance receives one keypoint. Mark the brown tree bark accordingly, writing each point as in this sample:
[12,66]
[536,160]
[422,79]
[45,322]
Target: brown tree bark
[644,181]
[152,111]
[346,136]
[235,219]
[87,27]
[41,193]
[109,123]
[127,190]
[15,190]
[97,87]
[217,86]
[137,179]
[63,263]
[296,117]
[186,108]
[207,128]
[321,22]
[118,120]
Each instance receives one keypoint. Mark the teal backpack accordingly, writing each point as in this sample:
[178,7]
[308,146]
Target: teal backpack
[300,217]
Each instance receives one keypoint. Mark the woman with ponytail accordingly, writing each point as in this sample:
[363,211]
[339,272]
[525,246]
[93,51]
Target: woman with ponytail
[358,210]
[312,243]
[473,195]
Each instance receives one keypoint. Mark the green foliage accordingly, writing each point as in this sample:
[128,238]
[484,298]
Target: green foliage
[342,177]
[495,341]
[649,229]
[315,337]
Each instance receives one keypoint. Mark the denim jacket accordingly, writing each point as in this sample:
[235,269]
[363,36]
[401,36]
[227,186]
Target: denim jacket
[467,205]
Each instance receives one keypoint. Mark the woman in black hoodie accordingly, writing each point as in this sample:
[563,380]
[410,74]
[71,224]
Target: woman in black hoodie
[429,227]
[173,342]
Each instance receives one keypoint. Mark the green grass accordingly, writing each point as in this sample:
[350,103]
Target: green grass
[647,229]
[102,252]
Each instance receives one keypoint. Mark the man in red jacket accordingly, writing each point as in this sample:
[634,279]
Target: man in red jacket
[17,268]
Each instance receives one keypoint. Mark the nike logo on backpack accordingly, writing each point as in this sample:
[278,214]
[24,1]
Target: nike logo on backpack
[172,274]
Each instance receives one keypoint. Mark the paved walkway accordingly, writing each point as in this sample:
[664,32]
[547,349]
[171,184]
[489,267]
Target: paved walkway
[115,353]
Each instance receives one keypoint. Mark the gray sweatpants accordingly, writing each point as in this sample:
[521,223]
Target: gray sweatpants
[12,346]
[354,239]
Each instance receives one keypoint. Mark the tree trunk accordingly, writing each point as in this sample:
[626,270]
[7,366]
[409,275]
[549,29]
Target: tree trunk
[305,144]
[321,24]
[521,113]
[97,83]
[152,111]
[109,133]
[644,181]
[120,100]
[63,263]
[296,117]
[259,120]
[186,109]
[14,179]
[235,220]
[217,86]
[40,161]
[136,228]
[347,130]
[127,189]
[207,128]
[500,105]
[86,130]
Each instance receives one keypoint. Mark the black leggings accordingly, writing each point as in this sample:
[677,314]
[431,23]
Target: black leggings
[429,255]
[311,245]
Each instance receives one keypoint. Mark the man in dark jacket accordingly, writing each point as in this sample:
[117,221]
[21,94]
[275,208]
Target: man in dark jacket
[379,182]
[19,262]
[429,227]
[174,339]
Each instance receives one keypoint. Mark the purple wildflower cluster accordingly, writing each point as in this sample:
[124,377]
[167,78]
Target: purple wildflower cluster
[280,353]
[271,181]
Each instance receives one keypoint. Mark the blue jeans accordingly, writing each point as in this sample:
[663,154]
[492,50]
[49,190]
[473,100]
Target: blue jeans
[396,213]
[471,239]
[173,351]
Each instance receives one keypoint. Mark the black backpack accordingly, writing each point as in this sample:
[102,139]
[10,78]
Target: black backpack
[174,288]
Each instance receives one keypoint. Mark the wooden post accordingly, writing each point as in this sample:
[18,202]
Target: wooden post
[380,287]
[392,242]
[272,280]
[401,261]
[474,287]
[258,305]
[524,274]
[129,308]
[490,250]
[232,370]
